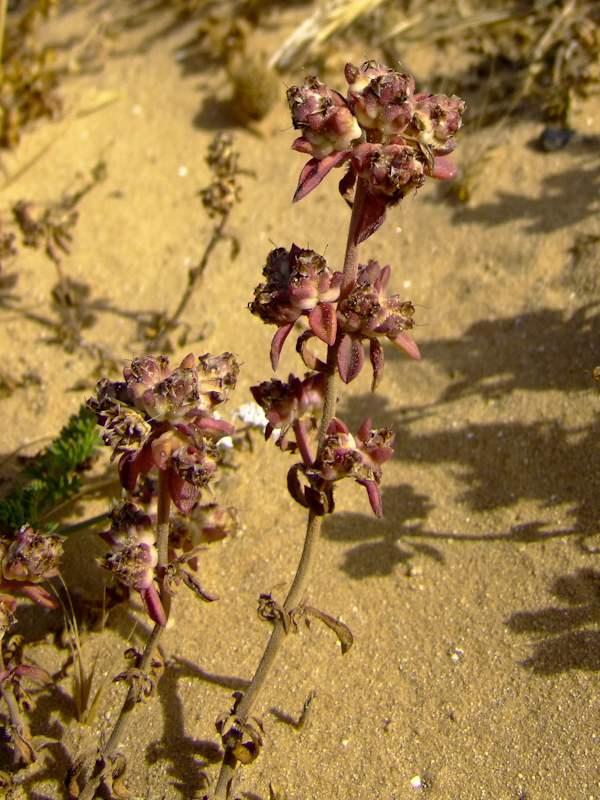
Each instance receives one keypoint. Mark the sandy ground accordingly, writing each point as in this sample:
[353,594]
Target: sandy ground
[475,603]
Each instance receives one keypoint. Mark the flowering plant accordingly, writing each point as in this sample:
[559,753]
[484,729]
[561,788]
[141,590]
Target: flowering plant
[389,139]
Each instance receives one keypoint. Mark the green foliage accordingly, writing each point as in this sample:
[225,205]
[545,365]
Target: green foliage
[55,474]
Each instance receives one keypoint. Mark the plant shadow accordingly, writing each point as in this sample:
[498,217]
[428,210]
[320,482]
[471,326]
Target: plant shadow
[538,350]
[376,549]
[564,199]
[567,635]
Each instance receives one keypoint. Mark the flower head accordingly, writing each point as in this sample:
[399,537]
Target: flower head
[289,404]
[298,282]
[323,116]
[163,418]
[366,313]
[392,138]
[343,456]
[31,558]
[134,556]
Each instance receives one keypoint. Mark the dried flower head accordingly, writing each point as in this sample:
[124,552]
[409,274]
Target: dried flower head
[163,418]
[286,405]
[298,282]
[366,313]
[343,456]
[224,191]
[134,555]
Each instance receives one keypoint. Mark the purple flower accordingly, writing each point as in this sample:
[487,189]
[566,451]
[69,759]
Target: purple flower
[343,456]
[159,418]
[367,313]
[298,282]
[359,457]
[392,137]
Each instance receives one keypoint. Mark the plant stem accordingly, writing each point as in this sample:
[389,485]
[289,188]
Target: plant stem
[313,528]
[145,665]
[194,276]
[352,245]
[18,728]
[87,523]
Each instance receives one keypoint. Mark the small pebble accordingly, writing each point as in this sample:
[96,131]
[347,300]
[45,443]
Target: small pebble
[555,138]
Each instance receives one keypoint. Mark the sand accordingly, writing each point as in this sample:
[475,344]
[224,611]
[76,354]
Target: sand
[474,603]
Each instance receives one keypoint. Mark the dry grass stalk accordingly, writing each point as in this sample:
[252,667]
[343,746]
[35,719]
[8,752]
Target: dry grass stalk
[327,21]
[429,27]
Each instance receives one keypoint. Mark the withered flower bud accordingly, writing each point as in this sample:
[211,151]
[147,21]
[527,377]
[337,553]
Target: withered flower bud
[380,97]
[326,122]
[34,556]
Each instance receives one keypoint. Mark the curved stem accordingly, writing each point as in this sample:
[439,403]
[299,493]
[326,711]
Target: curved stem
[297,589]
[313,527]
[145,664]
[194,275]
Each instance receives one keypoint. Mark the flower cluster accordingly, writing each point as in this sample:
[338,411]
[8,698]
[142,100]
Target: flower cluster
[343,456]
[31,558]
[163,418]
[295,406]
[390,136]
[134,556]
[224,191]
[367,313]
[300,282]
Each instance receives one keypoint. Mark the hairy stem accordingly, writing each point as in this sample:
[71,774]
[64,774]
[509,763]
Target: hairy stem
[145,664]
[352,245]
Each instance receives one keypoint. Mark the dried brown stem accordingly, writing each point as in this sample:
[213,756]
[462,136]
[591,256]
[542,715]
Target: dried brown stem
[194,275]
[18,728]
